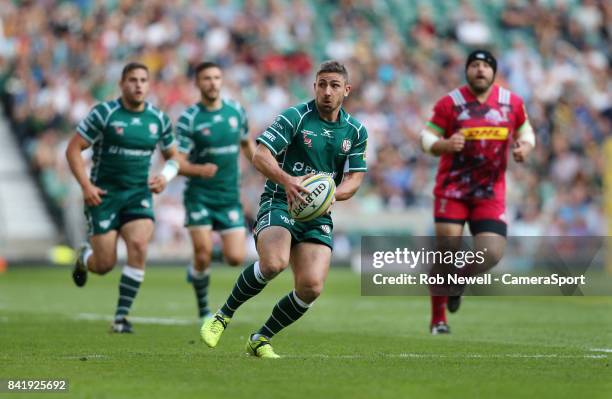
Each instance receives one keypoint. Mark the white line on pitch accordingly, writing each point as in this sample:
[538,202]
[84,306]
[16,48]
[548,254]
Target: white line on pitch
[87,357]
[460,356]
[141,320]
[607,350]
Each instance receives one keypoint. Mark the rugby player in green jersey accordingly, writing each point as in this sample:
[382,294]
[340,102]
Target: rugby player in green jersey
[211,134]
[118,193]
[314,137]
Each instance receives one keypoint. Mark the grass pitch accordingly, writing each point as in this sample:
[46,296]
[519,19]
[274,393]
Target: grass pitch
[346,346]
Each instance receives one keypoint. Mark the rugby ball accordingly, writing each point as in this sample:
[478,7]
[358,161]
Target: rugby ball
[322,189]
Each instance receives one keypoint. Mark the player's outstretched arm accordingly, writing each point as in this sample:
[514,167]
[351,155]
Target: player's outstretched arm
[91,193]
[264,162]
[205,170]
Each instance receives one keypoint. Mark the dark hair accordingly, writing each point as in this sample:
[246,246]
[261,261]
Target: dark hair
[333,66]
[205,65]
[130,67]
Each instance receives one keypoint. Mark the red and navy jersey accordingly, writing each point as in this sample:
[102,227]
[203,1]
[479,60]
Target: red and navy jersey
[478,171]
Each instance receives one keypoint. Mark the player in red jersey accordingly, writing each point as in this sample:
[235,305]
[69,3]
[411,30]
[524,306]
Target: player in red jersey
[471,130]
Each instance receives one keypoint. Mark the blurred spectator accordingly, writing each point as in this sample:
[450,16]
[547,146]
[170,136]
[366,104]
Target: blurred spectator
[57,58]
[470,28]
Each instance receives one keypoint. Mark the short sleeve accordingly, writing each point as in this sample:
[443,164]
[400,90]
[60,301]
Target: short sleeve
[439,121]
[520,113]
[278,135]
[184,134]
[92,127]
[167,137]
[244,125]
[357,153]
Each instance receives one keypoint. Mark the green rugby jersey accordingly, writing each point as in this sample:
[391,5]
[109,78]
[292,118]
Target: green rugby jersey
[302,143]
[124,141]
[214,137]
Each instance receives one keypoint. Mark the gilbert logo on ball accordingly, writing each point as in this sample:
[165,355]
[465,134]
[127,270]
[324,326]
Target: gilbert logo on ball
[321,193]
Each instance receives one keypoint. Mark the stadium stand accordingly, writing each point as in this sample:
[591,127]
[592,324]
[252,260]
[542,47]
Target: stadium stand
[26,230]
[58,57]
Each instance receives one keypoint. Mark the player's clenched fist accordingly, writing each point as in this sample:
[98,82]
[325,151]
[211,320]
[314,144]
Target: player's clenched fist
[521,150]
[157,184]
[456,142]
[207,170]
[93,195]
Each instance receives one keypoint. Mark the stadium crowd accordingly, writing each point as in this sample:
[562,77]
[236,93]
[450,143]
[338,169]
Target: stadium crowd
[57,58]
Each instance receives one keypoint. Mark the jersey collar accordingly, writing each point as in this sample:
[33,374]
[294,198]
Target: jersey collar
[146,106]
[204,109]
[342,116]
[470,97]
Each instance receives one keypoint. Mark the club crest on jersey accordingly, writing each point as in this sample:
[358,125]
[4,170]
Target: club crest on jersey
[119,130]
[153,128]
[233,122]
[464,115]
[205,131]
[494,116]
[346,145]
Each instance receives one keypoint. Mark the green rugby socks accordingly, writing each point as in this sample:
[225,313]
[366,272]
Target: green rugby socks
[129,284]
[285,312]
[250,283]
